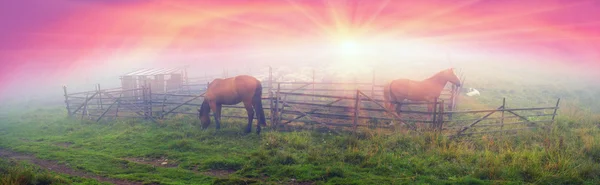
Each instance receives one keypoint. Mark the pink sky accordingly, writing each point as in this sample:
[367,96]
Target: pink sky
[51,38]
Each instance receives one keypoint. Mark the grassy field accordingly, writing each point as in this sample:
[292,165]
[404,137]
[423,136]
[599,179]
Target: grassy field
[18,172]
[177,152]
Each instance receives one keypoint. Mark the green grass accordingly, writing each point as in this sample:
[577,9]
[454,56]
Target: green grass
[18,172]
[567,153]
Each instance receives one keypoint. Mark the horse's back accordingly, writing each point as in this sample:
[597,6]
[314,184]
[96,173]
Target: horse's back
[414,90]
[245,80]
[232,90]
[247,85]
[400,84]
[405,89]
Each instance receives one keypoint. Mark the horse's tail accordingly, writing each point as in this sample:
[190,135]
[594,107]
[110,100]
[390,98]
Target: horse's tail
[257,101]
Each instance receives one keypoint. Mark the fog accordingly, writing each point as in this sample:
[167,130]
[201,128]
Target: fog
[45,83]
[48,45]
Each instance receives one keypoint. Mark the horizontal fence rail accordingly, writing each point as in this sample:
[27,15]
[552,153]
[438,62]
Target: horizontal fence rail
[287,104]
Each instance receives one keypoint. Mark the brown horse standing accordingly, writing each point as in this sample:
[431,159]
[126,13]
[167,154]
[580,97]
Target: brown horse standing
[231,91]
[427,90]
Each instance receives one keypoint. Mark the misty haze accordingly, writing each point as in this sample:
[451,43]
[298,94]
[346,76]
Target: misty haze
[299,92]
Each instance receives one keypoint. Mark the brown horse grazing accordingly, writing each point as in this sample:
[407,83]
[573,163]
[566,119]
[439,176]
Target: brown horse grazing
[231,91]
[427,90]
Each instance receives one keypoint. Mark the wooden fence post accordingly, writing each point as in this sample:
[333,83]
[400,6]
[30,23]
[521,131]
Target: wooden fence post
[502,113]
[67,100]
[441,117]
[271,103]
[83,112]
[187,80]
[373,84]
[434,120]
[277,112]
[145,100]
[118,105]
[149,104]
[100,97]
[97,91]
[555,109]
[162,107]
[356,109]
[270,79]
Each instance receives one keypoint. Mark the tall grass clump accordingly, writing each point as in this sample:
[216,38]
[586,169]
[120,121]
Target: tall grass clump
[13,172]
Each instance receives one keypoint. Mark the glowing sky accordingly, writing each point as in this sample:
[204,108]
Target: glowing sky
[51,38]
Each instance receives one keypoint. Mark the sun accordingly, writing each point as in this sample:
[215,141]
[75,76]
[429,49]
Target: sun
[349,48]
[349,55]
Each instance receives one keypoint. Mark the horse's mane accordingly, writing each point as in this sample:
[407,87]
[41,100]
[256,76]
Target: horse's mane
[437,75]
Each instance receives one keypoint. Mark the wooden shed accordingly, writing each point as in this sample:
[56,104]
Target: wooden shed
[160,80]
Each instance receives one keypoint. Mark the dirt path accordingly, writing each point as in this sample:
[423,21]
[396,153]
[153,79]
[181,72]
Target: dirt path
[60,168]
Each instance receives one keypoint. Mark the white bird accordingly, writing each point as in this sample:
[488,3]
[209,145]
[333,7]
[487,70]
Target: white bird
[473,92]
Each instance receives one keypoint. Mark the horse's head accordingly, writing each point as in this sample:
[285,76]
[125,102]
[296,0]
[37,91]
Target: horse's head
[203,115]
[451,77]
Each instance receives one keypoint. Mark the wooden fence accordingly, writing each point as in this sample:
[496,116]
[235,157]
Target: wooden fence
[501,119]
[144,104]
[315,104]
[361,110]
[197,85]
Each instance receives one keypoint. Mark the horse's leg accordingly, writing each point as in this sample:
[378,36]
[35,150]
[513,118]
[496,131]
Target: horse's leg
[213,108]
[392,106]
[219,107]
[257,116]
[398,108]
[250,111]
[216,113]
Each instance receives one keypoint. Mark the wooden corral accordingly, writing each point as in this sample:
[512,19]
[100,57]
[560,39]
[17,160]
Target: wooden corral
[340,105]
